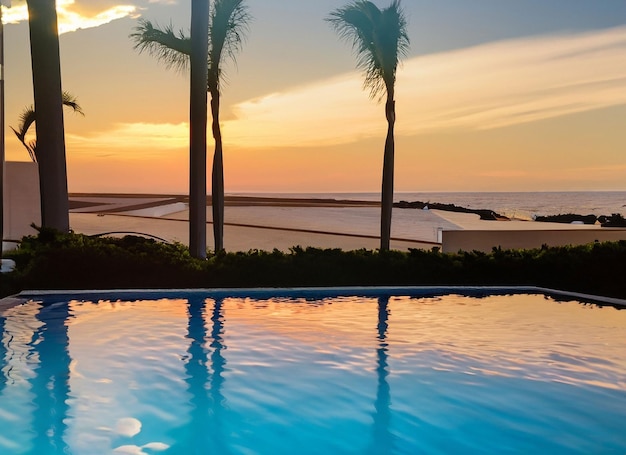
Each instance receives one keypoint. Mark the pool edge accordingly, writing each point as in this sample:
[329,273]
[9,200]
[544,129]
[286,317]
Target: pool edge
[305,292]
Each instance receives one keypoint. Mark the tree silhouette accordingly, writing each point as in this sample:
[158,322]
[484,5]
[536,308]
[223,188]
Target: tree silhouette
[46,65]
[197,127]
[29,116]
[227,26]
[379,38]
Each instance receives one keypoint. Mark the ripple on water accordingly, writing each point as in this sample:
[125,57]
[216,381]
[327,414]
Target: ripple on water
[448,374]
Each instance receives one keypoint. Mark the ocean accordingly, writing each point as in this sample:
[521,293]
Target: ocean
[522,205]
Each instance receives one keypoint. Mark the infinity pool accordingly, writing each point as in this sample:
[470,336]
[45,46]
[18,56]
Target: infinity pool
[200,372]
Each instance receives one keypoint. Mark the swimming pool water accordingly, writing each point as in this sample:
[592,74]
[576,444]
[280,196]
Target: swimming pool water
[328,375]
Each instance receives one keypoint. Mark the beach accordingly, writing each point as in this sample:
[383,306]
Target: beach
[267,222]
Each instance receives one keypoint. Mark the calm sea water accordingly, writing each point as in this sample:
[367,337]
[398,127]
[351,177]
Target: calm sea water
[513,204]
[315,375]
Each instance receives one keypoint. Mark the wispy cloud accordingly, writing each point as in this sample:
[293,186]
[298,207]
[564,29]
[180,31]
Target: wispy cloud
[72,17]
[488,86]
[484,87]
[147,137]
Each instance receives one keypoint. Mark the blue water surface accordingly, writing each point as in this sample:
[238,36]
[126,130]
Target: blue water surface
[387,374]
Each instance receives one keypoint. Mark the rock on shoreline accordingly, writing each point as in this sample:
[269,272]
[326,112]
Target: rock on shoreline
[484,214]
[614,220]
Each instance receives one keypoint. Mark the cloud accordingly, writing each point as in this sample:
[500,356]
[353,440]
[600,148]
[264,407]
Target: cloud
[504,173]
[488,86]
[326,113]
[72,17]
[148,137]
[70,21]
[518,81]
[17,13]
[485,87]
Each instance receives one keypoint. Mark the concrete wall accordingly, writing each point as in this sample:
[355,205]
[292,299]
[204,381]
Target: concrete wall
[479,240]
[22,205]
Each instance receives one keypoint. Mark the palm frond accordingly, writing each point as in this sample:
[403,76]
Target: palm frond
[379,39]
[71,101]
[229,25]
[28,117]
[169,47]
[29,146]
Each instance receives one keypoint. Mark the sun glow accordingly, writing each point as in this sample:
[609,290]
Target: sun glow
[70,18]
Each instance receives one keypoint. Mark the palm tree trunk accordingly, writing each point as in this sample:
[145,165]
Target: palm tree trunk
[387,186]
[46,66]
[2,158]
[197,127]
[218,175]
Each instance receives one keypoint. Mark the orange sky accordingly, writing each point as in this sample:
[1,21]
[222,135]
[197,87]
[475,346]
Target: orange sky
[518,109]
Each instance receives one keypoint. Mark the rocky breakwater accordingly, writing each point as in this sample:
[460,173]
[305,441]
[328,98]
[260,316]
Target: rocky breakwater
[614,220]
[484,214]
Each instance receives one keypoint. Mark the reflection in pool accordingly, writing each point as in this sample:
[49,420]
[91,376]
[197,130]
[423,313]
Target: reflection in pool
[239,375]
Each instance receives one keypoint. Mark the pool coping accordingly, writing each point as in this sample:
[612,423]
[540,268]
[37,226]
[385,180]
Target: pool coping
[309,292]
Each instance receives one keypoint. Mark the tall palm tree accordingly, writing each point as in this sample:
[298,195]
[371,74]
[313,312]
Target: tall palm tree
[199,54]
[228,23]
[28,117]
[380,39]
[46,65]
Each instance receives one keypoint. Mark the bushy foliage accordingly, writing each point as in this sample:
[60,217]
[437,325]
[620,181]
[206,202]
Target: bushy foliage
[51,260]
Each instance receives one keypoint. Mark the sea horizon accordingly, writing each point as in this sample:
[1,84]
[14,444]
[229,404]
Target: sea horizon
[515,204]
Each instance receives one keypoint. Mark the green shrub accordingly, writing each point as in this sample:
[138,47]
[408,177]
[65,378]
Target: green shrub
[52,260]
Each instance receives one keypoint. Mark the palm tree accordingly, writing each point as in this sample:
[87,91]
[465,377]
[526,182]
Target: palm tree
[28,117]
[380,39]
[199,53]
[228,23]
[46,65]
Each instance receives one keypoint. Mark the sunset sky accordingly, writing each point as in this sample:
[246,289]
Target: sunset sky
[495,95]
